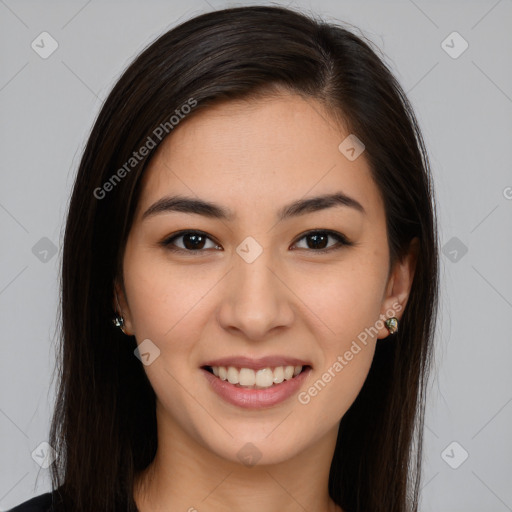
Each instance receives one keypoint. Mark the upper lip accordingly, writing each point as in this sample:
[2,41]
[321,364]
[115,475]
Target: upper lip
[257,364]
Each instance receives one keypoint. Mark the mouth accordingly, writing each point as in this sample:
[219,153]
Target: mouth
[257,378]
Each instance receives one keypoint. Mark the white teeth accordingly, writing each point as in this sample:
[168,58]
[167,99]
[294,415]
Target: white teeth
[232,375]
[288,372]
[247,377]
[263,378]
[278,375]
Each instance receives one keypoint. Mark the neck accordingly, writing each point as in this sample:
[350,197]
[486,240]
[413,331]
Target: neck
[185,475]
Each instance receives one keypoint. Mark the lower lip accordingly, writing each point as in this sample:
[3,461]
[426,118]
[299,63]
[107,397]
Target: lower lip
[256,398]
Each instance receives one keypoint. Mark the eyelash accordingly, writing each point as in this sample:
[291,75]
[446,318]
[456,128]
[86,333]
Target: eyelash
[342,241]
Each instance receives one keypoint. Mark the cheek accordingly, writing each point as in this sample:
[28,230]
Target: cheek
[167,306]
[333,390]
[349,306]
[346,299]
[347,302]
[163,298]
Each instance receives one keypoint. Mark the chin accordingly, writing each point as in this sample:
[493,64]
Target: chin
[252,447]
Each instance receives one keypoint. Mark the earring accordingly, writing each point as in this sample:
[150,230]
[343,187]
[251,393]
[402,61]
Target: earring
[392,324]
[118,320]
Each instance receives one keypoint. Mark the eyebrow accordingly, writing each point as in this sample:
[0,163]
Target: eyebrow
[207,209]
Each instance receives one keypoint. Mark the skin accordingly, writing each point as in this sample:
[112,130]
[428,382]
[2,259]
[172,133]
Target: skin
[253,157]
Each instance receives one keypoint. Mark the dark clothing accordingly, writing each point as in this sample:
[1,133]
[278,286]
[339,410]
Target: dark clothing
[45,503]
[41,503]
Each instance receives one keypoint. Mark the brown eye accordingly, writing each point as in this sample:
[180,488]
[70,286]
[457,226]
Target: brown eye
[317,241]
[191,241]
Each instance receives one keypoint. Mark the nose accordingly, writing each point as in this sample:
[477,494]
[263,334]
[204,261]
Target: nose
[257,300]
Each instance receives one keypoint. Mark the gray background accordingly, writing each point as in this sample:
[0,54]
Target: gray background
[464,106]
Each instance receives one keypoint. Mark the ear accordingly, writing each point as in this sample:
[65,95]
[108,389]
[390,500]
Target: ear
[120,304]
[399,285]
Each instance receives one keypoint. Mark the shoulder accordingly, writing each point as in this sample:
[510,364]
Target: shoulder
[41,503]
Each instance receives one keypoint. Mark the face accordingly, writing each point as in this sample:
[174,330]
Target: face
[265,279]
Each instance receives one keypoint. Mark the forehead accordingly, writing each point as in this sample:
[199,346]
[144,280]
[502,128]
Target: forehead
[260,152]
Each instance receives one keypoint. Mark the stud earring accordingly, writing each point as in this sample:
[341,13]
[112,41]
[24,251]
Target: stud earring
[392,324]
[118,319]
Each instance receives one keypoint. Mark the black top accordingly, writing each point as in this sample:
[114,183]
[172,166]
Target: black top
[41,503]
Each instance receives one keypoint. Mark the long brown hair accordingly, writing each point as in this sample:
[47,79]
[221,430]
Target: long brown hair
[104,423]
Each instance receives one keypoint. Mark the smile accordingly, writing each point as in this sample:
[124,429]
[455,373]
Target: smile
[262,386]
[255,379]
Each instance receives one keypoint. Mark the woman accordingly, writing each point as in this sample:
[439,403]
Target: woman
[249,279]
